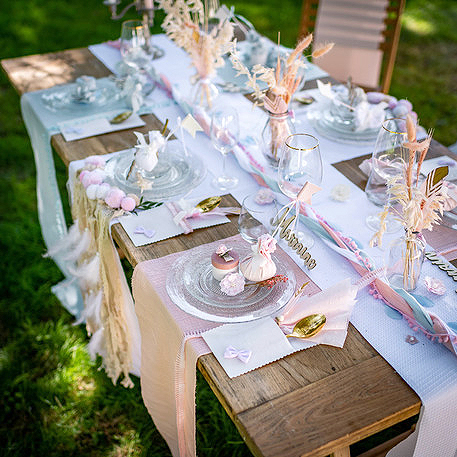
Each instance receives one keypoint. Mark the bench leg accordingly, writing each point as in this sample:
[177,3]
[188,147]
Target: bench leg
[343,452]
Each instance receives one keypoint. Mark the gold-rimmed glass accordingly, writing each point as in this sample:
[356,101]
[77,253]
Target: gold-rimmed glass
[390,158]
[135,44]
[300,162]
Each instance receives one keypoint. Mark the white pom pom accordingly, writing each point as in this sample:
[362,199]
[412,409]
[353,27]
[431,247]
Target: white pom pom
[103,190]
[91,191]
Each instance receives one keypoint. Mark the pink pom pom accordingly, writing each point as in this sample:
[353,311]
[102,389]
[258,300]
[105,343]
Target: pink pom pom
[86,179]
[95,161]
[82,174]
[97,176]
[135,197]
[128,204]
[114,197]
[376,97]
[406,103]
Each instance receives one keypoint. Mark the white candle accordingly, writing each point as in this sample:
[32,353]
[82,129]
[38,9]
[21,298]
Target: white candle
[149,4]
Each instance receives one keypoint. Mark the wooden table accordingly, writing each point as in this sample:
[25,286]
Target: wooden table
[312,403]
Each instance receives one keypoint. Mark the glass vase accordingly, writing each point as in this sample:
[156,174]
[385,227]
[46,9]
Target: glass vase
[277,128]
[204,93]
[406,257]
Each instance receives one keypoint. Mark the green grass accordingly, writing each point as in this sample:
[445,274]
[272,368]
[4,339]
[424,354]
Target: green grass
[55,401]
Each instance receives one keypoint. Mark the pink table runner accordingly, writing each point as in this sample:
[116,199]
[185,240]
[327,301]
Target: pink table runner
[167,363]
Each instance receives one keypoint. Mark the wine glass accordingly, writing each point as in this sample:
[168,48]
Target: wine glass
[134,44]
[300,163]
[255,219]
[135,51]
[224,133]
[390,158]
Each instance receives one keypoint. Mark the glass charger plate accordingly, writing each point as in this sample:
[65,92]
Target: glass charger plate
[326,125]
[64,98]
[175,174]
[191,286]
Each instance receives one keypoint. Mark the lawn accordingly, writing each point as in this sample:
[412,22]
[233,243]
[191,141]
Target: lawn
[55,401]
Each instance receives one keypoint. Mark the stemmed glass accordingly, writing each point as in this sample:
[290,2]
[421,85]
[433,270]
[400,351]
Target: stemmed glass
[135,49]
[389,159]
[300,162]
[224,133]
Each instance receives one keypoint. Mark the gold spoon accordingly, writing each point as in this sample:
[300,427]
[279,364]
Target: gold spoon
[208,204]
[308,326]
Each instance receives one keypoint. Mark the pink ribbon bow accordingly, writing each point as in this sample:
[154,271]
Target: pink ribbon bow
[244,355]
[181,217]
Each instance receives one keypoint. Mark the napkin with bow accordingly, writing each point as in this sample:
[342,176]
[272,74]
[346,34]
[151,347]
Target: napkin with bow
[336,303]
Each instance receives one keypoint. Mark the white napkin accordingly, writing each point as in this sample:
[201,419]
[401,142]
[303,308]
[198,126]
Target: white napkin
[88,126]
[336,303]
[160,221]
[263,338]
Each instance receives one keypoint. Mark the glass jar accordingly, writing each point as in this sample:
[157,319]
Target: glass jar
[277,128]
[204,93]
[406,257]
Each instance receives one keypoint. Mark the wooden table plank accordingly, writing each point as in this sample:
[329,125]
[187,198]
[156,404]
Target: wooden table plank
[311,393]
[42,71]
[374,400]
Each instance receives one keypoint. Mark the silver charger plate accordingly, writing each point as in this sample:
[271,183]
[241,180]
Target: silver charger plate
[175,173]
[191,286]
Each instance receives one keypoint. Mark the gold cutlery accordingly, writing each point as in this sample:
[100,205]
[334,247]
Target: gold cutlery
[308,326]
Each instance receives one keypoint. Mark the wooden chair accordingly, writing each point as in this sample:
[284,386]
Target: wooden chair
[365,33]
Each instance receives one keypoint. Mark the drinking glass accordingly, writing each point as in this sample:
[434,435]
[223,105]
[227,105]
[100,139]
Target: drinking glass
[389,159]
[134,44]
[224,133]
[300,162]
[255,219]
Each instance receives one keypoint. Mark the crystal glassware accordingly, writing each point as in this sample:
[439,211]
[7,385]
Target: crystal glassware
[406,256]
[300,163]
[389,159]
[255,219]
[224,133]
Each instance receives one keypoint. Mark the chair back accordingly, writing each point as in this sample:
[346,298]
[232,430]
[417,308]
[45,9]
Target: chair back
[365,33]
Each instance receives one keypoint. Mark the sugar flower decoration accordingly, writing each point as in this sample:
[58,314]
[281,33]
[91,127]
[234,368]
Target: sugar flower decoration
[435,285]
[340,192]
[222,249]
[232,284]
[266,245]
[264,196]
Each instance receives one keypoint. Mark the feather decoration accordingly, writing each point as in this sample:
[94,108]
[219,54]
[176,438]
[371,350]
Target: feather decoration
[65,243]
[96,344]
[88,272]
[91,312]
[78,249]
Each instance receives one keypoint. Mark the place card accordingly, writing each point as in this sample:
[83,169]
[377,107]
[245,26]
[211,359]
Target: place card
[90,126]
[263,339]
[157,224]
